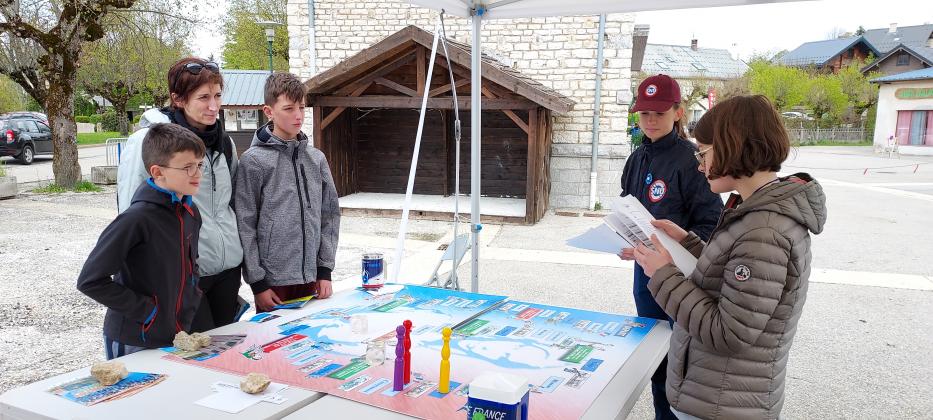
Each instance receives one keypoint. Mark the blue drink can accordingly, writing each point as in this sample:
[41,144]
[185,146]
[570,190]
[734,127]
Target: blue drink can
[374,269]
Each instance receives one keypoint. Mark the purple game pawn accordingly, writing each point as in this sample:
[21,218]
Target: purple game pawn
[398,379]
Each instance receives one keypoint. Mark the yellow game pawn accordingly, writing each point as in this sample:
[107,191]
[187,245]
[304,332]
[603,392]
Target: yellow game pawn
[443,385]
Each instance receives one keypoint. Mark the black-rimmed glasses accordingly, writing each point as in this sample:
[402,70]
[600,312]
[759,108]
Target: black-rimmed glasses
[190,170]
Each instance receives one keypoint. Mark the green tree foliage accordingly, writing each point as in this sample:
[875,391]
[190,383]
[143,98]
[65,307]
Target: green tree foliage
[13,98]
[110,120]
[84,105]
[786,87]
[245,45]
[845,96]
[825,98]
[859,91]
[132,57]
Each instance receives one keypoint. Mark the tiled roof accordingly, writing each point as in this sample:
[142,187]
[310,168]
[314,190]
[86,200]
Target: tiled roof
[912,36]
[819,52]
[684,62]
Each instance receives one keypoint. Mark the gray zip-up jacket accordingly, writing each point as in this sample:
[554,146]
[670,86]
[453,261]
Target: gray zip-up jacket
[287,212]
[219,244]
[735,316]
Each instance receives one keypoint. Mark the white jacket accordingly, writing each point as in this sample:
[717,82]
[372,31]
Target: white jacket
[219,246]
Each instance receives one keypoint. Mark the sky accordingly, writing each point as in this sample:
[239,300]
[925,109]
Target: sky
[769,28]
[744,30]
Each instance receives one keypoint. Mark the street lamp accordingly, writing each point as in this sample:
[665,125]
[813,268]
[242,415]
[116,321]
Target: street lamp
[270,36]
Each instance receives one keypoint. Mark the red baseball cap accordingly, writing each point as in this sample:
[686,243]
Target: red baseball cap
[657,93]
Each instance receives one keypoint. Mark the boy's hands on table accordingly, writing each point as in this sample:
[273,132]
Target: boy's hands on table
[265,301]
[323,288]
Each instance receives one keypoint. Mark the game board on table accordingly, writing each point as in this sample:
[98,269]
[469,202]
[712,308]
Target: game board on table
[568,355]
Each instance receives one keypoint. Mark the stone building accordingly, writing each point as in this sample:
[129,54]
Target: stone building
[558,52]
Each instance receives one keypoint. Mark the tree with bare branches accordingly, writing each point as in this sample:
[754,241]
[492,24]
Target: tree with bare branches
[59,34]
[42,43]
[132,58]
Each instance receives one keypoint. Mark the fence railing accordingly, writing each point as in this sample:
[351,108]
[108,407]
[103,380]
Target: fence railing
[114,149]
[839,135]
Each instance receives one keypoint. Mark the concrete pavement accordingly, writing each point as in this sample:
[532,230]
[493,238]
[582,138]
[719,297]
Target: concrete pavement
[40,172]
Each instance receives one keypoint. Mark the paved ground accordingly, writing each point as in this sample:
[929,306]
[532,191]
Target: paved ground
[863,345]
[40,172]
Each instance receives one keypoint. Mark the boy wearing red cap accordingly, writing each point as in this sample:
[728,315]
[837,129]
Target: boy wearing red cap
[662,174]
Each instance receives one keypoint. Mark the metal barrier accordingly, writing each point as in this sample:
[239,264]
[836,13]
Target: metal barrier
[840,135]
[114,149]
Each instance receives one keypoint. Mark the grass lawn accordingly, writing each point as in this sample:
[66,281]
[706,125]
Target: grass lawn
[97,138]
[81,186]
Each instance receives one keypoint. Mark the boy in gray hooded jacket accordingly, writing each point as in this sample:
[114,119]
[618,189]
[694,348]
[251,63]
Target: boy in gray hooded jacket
[286,204]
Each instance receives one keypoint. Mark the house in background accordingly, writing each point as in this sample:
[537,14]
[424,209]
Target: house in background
[831,55]
[699,71]
[905,112]
[902,59]
[242,104]
[894,49]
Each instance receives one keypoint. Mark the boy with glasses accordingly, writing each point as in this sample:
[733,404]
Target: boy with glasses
[144,267]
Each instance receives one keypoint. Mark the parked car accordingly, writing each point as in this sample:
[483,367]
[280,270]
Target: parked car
[27,114]
[24,138]
[796,115]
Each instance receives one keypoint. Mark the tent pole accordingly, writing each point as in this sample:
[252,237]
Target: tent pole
[476,78]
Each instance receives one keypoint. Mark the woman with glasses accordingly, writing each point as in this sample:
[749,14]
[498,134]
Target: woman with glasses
[662,175]
[195,87]
[736,314]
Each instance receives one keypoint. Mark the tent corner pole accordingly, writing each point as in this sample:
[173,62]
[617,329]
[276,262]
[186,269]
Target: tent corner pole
[476,79]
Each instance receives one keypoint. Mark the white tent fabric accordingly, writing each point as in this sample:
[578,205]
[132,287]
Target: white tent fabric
[509,9]
[506,9]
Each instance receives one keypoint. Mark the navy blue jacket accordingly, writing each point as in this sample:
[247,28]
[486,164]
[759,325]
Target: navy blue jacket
[663,176]
[151,252]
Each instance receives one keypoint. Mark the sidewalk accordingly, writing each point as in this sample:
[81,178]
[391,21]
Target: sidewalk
[40,172]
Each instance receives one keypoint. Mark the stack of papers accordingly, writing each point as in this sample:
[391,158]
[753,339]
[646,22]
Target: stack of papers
[295,303]
[229,398]
[89,391]
[628,226]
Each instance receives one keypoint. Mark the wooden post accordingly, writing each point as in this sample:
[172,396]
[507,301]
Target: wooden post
[318,128]
[531,180]
[422,74]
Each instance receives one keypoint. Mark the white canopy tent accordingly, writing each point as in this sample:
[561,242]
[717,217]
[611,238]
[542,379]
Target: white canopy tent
[479,10]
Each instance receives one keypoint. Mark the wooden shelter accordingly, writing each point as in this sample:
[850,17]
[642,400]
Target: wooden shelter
[366,117]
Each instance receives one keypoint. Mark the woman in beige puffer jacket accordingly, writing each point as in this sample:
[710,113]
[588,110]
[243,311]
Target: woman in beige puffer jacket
[736,314]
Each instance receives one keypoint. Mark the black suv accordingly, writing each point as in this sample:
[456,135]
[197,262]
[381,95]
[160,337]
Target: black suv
[24,138]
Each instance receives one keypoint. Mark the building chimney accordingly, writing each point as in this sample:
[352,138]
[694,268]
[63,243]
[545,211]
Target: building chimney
[693,44]
[639,42]
[893,28]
